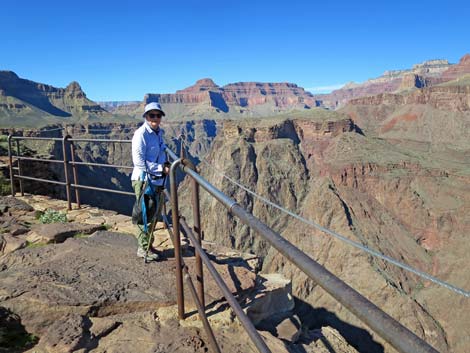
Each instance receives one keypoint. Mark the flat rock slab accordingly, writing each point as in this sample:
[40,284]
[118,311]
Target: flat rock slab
[59,232]
[12,203]
[95,277]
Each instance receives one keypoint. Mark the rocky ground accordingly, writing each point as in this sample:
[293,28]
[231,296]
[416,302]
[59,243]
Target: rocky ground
[78,287]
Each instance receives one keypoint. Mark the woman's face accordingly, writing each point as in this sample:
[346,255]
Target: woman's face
[154,118]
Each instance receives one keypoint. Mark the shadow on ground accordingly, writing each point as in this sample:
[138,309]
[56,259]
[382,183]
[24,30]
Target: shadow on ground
[316,318]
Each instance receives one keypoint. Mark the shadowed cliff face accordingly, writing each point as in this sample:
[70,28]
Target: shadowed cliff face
[258,165]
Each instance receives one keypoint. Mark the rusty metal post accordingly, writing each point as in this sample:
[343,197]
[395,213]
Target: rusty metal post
[10,158]
[182,146]
[201,312]
[75,175]
[66,171]
[197,231]
[176,238]
[164,212]
[192,290]
[244,320]
[19,166]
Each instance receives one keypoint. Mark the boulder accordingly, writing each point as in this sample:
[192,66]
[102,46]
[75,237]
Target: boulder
[274,298]
[289,329]
[9,243]
[59,232]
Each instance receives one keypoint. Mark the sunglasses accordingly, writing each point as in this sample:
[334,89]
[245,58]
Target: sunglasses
[154,115]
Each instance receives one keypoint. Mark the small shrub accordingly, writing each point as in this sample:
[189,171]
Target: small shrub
[5,188]
[53,216]
[38,214]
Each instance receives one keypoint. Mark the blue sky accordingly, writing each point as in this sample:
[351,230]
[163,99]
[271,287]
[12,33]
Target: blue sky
[120,50]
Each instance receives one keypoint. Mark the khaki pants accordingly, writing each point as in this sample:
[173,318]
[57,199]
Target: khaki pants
[144,238]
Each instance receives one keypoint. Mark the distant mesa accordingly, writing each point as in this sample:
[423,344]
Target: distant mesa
[235,99]
[204,84]
[42,102]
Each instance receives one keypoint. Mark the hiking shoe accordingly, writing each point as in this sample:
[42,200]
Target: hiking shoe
[151,256]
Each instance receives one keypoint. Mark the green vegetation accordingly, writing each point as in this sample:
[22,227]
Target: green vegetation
[31,245]
[13,336]
[24,149]
[16,341]
[3,145]
[5,188]
[52,216]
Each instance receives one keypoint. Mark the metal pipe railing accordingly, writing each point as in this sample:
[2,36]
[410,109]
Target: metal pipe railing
[176,237]
[388,328]
[65,142]
[20,158]
[101,165]
[199,305]
[66,171]
[102,189]
[100,140]
[197,229]
[18,152]
[201,311]
[10,160]
[39,179]
[36,138]
[75,174]
[244,320]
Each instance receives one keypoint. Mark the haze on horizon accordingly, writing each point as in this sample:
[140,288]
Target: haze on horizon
[122,50]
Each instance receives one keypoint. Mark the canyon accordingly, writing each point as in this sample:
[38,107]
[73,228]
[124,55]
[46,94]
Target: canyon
[388,168]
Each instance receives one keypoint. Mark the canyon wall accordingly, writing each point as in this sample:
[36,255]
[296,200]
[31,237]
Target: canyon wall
[372,191]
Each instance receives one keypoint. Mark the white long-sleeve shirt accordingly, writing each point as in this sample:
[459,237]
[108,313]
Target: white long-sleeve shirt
[148,153]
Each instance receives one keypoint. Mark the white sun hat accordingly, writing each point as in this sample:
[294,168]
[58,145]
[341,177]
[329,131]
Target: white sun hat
[153,106]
